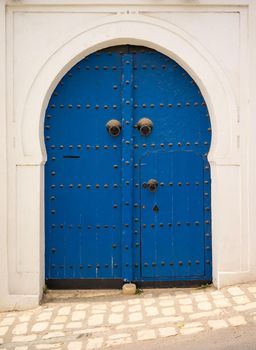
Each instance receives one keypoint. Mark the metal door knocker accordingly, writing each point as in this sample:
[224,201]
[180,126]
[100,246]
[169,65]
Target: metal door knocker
[152,185]
[145,126]
[114,127]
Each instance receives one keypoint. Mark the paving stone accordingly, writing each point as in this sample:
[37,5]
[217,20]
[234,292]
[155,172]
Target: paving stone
[40,326]
[20,329]
[45,316]
[73,325]
[121,341]
[56,327]
[119,335]
[146,334]
[252,289]
[115,318]
[167,331]
[134,308]
[25,318]
[164,296]
[135,317]
[94,343]
[95,320]
[64,311]
[24,338]
[234,291]
[168,311]
[92,330]
[185,301]
[204,306]
[118,308]
[47,346]
[96,312]
[186,309]
[78,315]
[115,303]
[217,294]
[241,300]
[180,294]
[223,302]
[52,335]
[75,345]
[237,321]
[152,311]
[246,307]
[3,330]
[8,321]
[99,307]
[149,301]
[201,297]
[82,306]
[217,324]
[60,319]
[191,328]
[133,301]
[166,303]
[198,315]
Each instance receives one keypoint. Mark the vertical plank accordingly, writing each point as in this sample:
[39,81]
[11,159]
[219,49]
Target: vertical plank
[127,166]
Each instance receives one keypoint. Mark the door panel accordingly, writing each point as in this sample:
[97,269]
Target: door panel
[172,222]
[100,220]
[83,172]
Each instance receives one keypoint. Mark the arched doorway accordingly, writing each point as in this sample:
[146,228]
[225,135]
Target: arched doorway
[130,201]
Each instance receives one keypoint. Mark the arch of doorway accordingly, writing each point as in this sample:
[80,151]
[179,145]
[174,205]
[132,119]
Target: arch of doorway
[110,31]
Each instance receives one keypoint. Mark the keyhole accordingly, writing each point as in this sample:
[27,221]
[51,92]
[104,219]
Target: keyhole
[155,208]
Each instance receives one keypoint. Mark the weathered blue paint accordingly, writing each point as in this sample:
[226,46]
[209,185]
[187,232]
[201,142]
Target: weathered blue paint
[127,166]
[101,221]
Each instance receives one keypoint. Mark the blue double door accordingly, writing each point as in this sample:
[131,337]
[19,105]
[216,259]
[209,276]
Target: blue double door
[127,181]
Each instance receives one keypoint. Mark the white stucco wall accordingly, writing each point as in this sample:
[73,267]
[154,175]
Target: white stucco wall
[214,40]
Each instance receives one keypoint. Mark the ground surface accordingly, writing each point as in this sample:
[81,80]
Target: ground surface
[155,319]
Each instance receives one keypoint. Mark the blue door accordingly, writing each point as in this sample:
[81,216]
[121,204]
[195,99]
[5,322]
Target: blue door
[127,181]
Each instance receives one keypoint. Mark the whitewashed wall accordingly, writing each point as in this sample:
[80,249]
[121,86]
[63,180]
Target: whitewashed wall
[214,40]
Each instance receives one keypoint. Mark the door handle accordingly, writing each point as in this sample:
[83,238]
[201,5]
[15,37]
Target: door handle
[145,126]
[114,127]
[152,185]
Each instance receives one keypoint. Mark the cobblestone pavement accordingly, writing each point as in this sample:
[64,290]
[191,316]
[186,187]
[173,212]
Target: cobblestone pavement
[89,320]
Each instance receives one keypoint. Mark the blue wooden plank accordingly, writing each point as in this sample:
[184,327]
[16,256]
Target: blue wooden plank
[127,166]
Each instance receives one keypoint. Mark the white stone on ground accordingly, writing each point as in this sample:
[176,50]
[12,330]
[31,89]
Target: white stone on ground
[146,334]
[237,321]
